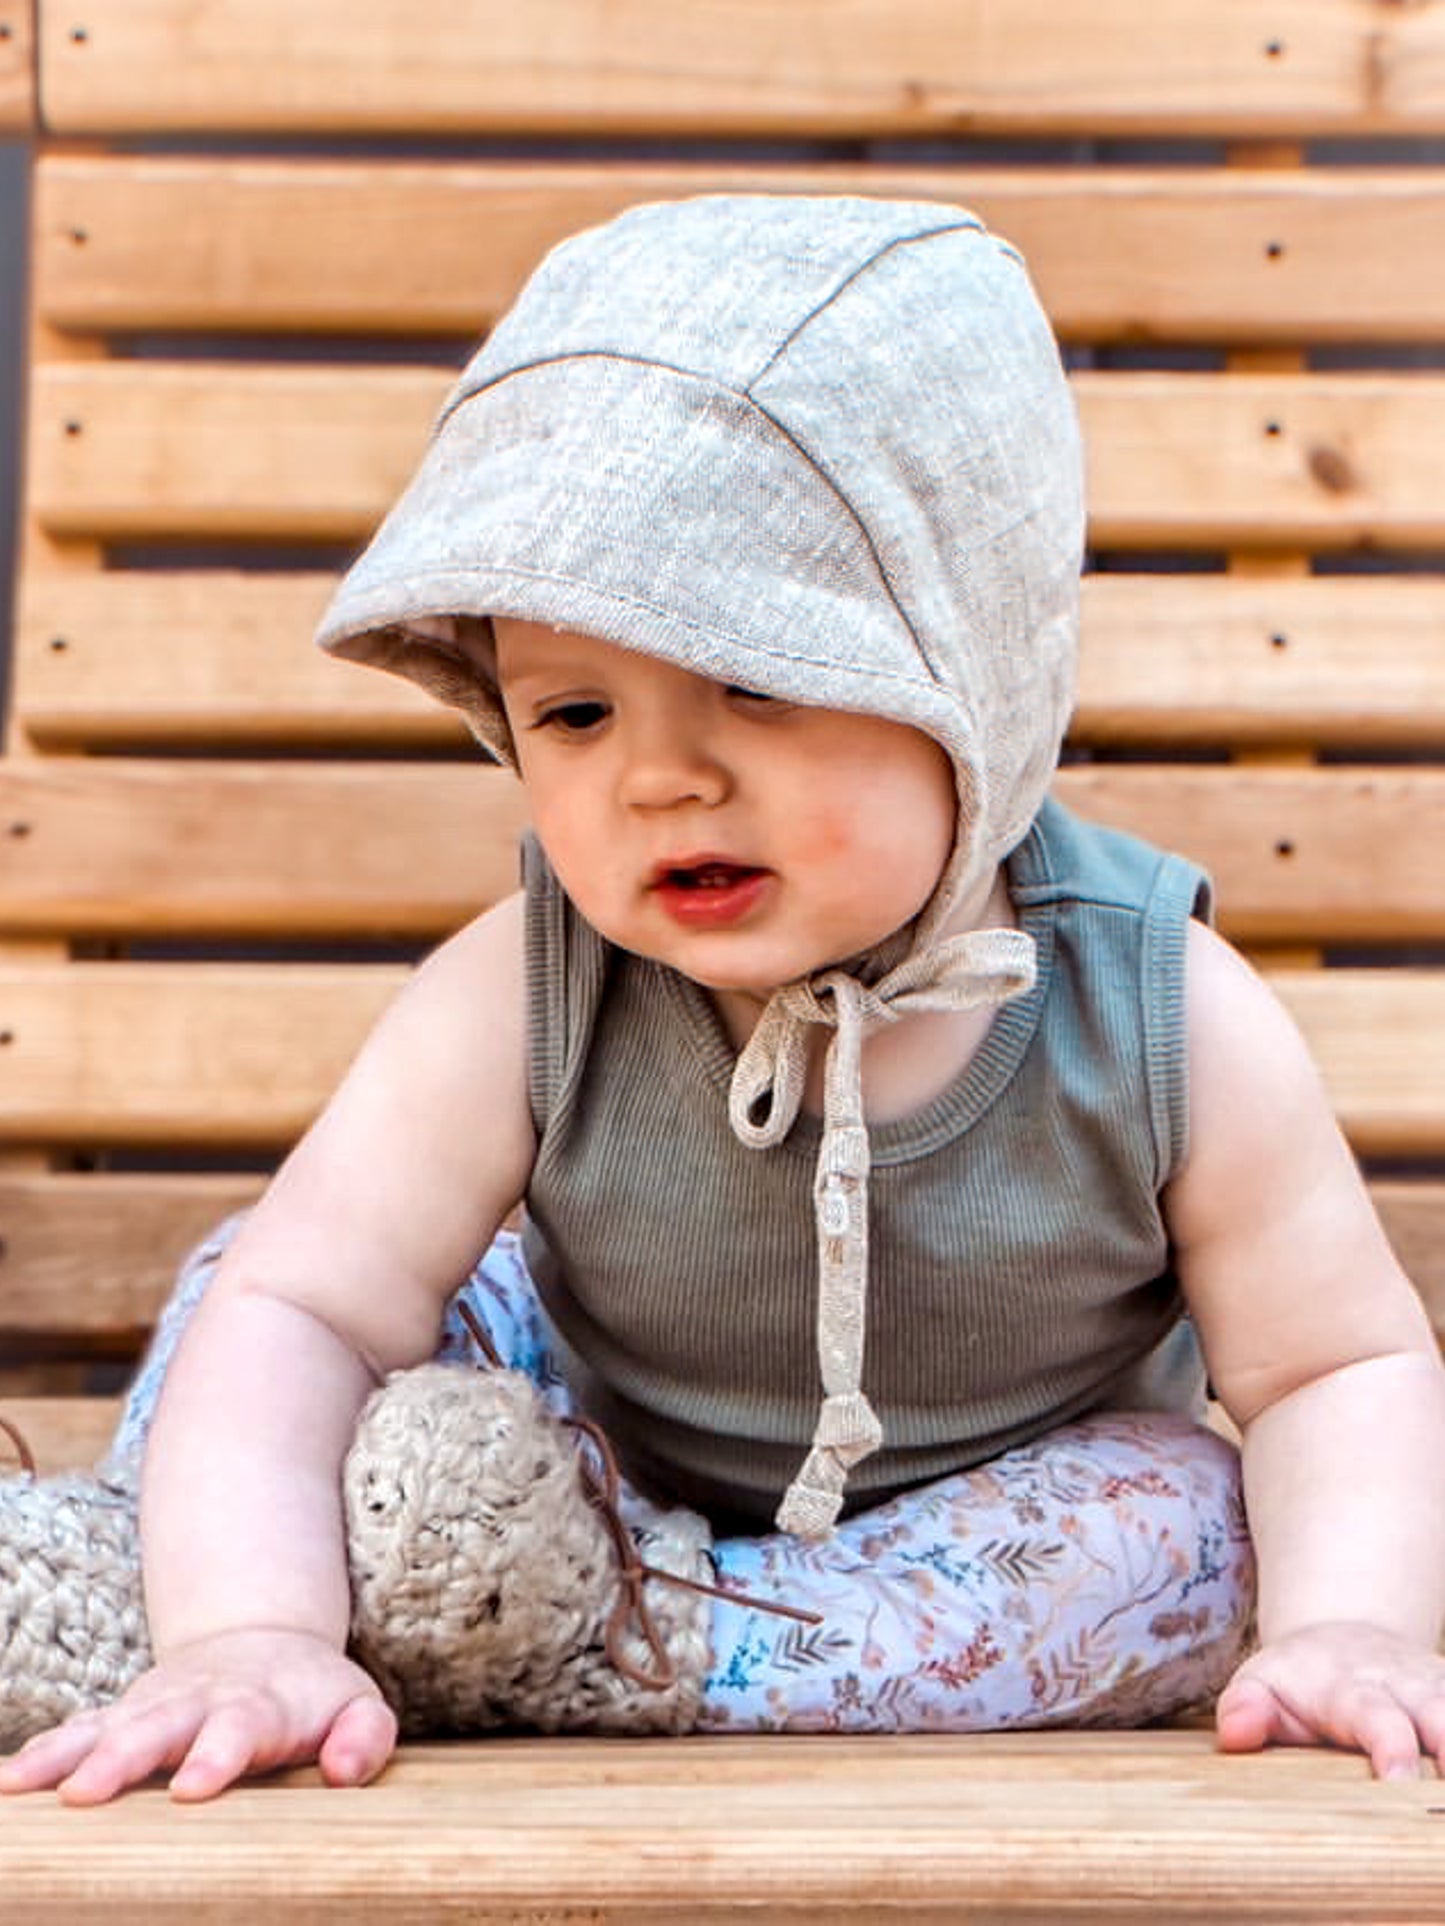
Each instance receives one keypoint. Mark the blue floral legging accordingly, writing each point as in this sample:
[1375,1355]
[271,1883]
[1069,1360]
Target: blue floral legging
[1101,1575]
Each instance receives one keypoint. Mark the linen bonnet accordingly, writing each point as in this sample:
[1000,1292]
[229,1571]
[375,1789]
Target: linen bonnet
[819,447]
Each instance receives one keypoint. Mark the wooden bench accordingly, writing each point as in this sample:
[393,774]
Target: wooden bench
[263,235]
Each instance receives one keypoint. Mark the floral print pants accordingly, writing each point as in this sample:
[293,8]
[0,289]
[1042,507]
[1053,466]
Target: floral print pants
[1101,1575]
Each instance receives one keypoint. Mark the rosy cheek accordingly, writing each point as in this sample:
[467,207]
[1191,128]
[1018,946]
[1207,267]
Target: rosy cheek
[824,835]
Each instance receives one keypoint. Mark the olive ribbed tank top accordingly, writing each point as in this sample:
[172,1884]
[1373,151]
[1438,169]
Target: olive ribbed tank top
[1019,1267]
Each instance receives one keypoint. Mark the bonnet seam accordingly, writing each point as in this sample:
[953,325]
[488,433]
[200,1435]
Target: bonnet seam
[856,273]
[887,677]
[746,396]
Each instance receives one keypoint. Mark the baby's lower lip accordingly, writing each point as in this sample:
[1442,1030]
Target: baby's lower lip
[711,896]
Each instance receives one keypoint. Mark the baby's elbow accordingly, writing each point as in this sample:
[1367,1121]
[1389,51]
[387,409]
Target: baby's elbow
[1370,1379]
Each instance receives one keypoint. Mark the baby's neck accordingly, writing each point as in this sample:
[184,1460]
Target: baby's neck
[905,1064]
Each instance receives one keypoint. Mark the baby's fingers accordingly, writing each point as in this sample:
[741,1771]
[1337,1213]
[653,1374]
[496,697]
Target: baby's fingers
[235,1739]
[1425,1708]
[128,1746]
[1252,1714]
[42,1762]
[1373,1720]
[1337,1686]
[359,1743]
[259,1734]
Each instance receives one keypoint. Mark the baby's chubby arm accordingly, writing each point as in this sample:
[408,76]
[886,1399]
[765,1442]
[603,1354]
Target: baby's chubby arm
[1320,1350]
[340,1275]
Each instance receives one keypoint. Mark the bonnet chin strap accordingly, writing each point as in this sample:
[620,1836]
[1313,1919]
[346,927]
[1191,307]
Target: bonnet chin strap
[957,973]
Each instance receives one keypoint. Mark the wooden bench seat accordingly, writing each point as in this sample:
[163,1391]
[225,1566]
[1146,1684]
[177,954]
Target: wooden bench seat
[262,238]
[1046,1827]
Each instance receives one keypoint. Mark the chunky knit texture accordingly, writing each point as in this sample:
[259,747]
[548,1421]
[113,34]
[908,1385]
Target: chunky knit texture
[72,1622]
[484,1579]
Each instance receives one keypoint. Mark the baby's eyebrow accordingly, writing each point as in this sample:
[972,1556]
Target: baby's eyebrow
[523,674]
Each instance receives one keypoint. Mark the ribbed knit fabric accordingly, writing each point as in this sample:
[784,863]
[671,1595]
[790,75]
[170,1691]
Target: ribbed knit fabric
[1020,1268]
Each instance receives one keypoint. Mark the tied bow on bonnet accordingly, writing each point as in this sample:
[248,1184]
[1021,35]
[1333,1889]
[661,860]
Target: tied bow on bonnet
[819,447]
[983,967]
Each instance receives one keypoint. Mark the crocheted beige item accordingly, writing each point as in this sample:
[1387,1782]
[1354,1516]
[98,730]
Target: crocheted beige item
[486,1583]
[72,1625]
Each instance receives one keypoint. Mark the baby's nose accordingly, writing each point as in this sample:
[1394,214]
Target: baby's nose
[673,763]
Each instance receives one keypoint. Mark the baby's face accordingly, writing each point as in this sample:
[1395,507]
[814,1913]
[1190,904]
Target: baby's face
[743,840]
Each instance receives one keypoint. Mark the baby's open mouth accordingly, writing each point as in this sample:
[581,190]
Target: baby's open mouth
[708,875]
[711,892]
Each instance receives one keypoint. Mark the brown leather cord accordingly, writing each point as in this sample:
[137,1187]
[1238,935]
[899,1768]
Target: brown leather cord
[480,1336]
[601,1482]
[17,1438]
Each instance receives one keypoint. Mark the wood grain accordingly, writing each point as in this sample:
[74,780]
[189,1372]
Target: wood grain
[373,851]
[204,658]
[1147,1825]
[1318,661]
[91,1257]
[858,68]
[390,248]
[61,1434]
[179,1054]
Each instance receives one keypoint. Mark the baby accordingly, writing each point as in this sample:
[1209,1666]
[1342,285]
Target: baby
[885,1135]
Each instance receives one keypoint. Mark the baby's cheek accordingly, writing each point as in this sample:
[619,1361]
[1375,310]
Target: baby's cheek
[827,835]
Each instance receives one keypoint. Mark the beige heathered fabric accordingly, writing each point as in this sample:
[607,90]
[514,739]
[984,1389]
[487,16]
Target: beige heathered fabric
[818,447]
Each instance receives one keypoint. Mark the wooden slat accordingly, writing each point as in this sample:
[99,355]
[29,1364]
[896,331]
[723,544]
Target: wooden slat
[1297,854]
[773,1830]
[269,849]
[216,450]
[1212,255]
[244,1054]
[940,67]
[95,1256]
[1230,658]
[254,849]
[17,67]
[63,1434]
[205,1054]
[1379,1039]
[1414,1217]
[209,658]
[1265,461]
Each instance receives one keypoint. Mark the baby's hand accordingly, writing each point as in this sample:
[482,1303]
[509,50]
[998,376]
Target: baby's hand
[1341,1684]
[237,1703]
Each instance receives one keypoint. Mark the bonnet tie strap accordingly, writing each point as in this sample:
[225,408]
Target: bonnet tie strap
[981,967]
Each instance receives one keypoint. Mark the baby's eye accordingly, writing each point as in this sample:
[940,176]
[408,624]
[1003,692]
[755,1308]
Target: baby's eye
[572,718]
[751,698]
